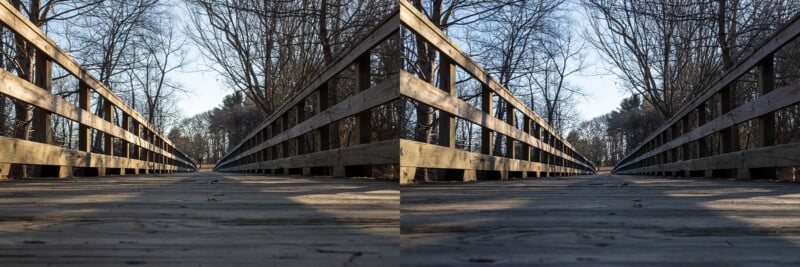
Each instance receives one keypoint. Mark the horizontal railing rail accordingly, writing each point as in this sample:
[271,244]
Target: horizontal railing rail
[668,151]
[143,148]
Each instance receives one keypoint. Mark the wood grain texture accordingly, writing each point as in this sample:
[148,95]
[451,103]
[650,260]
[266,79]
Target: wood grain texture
[199,219]
[607,220]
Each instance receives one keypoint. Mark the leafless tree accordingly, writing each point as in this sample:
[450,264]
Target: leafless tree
[162,54]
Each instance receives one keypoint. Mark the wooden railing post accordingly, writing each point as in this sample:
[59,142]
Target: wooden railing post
[684,130]
[447,122]
[285,126]
[526,127]
[363,82]
[137,150]
[108,114]
[323,134]
[486,133]
[537,151]
[301,141]
[126,124]
[729,136]
[84,132]
[512,120]
[42,122]
[765,124]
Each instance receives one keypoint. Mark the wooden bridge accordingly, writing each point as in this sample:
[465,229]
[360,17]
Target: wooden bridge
[272,201]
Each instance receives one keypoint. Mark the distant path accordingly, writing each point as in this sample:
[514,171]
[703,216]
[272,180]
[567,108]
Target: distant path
[601,220]
[199,219]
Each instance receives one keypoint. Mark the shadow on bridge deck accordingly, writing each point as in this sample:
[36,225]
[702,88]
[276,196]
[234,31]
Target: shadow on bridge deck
[199,219]
[601,220]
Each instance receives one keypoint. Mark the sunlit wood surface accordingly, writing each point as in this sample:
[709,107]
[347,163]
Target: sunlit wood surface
[601,220]
[199,219]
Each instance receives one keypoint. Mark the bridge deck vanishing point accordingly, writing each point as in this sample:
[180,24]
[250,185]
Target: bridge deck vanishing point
[602,220]
[199,219]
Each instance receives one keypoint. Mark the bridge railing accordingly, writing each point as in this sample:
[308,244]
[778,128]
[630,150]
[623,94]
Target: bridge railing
[129,144]
[303,135]
[281,144]
[695,143]
[530,147]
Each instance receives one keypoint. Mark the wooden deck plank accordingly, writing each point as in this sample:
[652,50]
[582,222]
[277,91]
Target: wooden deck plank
[199,219]
[601,220]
